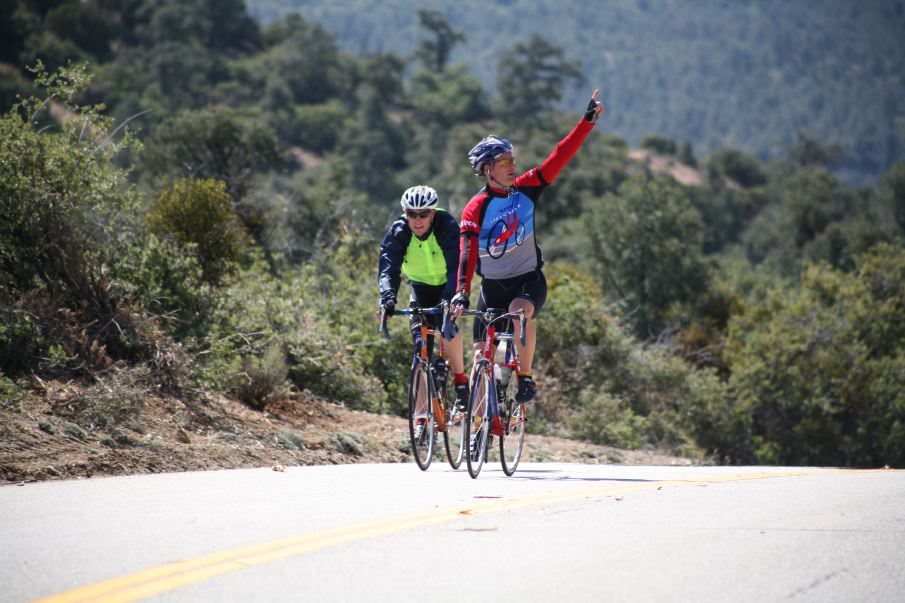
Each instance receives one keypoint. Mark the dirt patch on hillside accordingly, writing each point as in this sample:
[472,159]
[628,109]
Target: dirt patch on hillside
[40,440]
[660,164]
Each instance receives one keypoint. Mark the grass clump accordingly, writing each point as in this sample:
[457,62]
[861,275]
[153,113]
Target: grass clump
[291,440]
[348,442]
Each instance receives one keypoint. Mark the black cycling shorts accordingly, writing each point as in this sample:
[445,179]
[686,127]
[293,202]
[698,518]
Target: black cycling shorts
[427,296]
[502,292]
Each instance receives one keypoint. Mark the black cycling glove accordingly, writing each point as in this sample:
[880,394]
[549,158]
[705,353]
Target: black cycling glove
[591,113]
[460,299]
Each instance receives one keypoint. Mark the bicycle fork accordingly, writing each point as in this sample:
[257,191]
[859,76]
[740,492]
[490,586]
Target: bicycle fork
[439,411]
[498,423]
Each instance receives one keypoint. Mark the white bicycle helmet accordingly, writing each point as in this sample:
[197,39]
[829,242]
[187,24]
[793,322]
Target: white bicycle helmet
[419,197]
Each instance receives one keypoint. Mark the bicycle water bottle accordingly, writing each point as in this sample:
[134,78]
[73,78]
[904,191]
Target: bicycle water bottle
[502,372]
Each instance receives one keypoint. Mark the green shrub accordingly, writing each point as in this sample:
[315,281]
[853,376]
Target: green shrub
[73,430]
[303,314]
[320,362]
[70,227]
[10,392]
[68,211]
[646,248]
[738,167]
[290,439]
[168,280]
[819,372]
[348,442]
[21,340]
[317,127]
[199,215]
[659,144]
[213,144]
[608,387]
[262,379]
[605,419]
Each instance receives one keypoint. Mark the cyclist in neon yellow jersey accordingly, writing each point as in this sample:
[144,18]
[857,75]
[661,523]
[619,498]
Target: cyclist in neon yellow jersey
[423,244]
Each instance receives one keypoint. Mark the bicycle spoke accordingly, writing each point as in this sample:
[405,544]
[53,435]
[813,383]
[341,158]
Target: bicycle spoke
[512,442]
[422,432]
[454,436]
[477,425]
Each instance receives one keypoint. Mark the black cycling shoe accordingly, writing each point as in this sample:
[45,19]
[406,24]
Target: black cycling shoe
[461,397]
[526,388]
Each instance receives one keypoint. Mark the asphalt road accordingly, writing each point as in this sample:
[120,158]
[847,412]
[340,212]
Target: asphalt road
[392,533]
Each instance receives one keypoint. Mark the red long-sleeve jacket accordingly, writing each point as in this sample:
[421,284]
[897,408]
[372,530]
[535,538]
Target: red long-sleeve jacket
[497,227]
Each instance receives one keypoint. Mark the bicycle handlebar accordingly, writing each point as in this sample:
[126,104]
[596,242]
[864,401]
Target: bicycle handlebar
[491,315]
[448,329]
[409,312]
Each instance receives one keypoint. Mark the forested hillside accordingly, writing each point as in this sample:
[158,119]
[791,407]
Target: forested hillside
[192,201]
[745,75]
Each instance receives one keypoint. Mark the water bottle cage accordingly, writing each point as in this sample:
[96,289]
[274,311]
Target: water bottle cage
[440,370]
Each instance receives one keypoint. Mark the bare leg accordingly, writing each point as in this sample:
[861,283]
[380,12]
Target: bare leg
[526,352]
[454,353]
[478,349]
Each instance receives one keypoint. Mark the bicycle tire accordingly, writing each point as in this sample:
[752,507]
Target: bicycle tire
[420,385]
[454,436]
[513,440]
[477,427]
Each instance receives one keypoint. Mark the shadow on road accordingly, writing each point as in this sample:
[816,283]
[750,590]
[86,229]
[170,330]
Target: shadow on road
[557,475]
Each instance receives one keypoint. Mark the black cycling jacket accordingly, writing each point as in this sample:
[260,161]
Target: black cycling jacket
[397,243]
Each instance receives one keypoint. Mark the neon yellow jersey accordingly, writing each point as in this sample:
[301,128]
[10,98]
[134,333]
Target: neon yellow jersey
[424,261]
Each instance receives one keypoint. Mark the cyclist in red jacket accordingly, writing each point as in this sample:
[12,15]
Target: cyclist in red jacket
[498,235]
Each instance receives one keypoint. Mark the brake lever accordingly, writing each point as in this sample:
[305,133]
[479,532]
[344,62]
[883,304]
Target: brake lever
[383,323]
[447,328]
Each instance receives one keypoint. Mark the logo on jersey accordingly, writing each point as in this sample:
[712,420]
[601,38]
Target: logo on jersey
[506,231]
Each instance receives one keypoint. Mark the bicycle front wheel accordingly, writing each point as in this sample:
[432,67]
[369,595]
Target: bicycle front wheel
[422,432]
[454,436]
[477,427]
[514,417]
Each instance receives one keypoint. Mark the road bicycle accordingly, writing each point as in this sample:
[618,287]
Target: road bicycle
[492,408]
[431,398]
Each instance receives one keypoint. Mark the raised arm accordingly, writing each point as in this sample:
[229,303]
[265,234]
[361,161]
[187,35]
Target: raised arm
[569,145]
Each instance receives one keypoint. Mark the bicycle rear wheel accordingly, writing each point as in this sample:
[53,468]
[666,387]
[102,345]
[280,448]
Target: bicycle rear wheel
[513,440]
[454,436]
[422,432]
[477,427]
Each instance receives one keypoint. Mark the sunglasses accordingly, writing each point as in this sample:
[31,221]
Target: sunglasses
[418,214]
[505,162]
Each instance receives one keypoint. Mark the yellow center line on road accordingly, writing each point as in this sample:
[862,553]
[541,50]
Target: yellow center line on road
[164,578]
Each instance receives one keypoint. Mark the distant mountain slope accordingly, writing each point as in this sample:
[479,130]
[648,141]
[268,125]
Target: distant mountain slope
[722,74]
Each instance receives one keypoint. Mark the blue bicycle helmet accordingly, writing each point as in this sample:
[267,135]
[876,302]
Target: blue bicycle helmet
[487,150]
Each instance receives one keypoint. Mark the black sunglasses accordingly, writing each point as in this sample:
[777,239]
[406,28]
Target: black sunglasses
[417,214]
